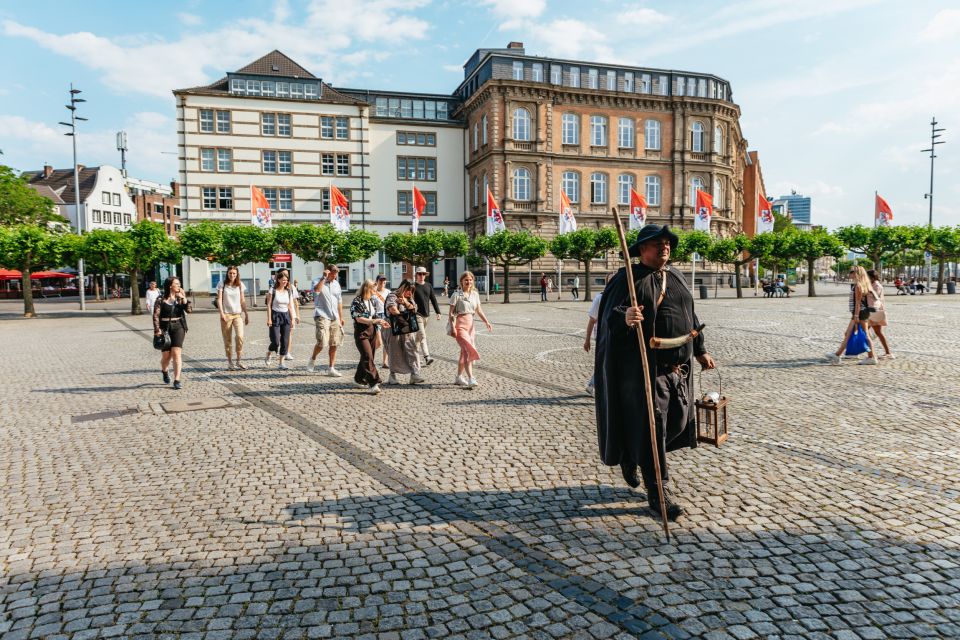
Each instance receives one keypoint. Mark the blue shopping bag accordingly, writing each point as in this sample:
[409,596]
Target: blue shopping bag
[857,342]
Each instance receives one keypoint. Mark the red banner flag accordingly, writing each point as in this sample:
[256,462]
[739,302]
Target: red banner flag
[638,210]
[703,211]
[764,215]
[419,206]
[259,209]
[882,211]
[339,210]
[494,215]
[568,223]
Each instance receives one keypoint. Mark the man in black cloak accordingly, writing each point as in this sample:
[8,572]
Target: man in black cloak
[666,311]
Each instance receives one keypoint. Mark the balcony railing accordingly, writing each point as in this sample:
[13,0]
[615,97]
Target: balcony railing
[521,146]
[521,206]
[699,157]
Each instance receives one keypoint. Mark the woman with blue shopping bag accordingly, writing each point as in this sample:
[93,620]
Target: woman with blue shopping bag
[856,340]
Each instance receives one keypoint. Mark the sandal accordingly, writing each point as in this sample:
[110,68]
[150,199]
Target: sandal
[241,366]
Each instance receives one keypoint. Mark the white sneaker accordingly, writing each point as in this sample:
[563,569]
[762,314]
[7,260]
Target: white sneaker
[834,358]
[375,389]
[283,365]
[472,383]
[266,361]
[889,356]
[392,379]
[460,381]
[868,361]
[312,366]
[289,356]
[415,379]
[333,373]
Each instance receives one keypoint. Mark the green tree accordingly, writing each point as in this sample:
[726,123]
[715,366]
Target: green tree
[943,243]
[28,248]
[510,249]
[735,251]
[585,245]
[691,242]
[106,252]
[149,244]
[782,223]
[242,244]
[422,249]
[19,204]
[202,240]
[780,252]
[876,243]
[357,244]
[812,245]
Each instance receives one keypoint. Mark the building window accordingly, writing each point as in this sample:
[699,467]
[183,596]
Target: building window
[283,89]
[592,75]
[223,122]
[521,124]
[644,83]
[405,203]
[236,86]
[326,127]
[285,202]
[598,188]
[270,193]
[225,199]
[296,89]
[575,77]
[537,72]
[116,217]
[267,88]
[253,87]
[224,160]
[476,191]
[406,108]
[343,164]
[343,128]
[419,139]
[381,110]
[207,162]
[268,124]
[611,80]
[628,81]
[269,161]
[652,188]
[326,164]
[570,183]
[696,184]
[717,193]
[416,168]
[285,161]
[696,138]
[570,128]
[430,109]
[556,74]
[624,185]
[105,197]
[311,91]
[486,187]
[717,139]
[209,198]
[625,133]
[483,130]
[418,109]
[283,125]
[598,131]
[476,136]
[651,129]
[116,199]
[126,219]
[96,218]
[702,88]
[521,184]
[517,70]
[206,120]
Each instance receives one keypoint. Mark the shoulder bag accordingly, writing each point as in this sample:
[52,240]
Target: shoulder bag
[404,323]
[162,341]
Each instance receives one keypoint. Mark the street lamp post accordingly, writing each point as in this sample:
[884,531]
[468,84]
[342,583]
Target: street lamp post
[934,134]
[74,101]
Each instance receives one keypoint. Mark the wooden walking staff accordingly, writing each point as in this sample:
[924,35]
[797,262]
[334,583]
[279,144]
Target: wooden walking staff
[655,449]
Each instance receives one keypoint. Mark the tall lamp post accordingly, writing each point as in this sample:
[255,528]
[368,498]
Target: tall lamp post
[74,101]
[934,134]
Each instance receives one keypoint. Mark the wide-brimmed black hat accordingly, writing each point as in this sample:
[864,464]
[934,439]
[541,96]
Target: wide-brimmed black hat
[652,232]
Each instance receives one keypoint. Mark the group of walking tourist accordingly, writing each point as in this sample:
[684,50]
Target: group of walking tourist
[867,311]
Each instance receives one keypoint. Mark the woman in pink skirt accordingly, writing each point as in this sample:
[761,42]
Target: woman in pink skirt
[464,304]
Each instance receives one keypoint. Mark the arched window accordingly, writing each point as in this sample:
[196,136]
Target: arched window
[624,185]
[570,183]
[484,121]
[652,187]
[651,129]
[476,191]
[625,133]
[476,136]
[598,131]
[696,184]
[696,139]
[718,139]
[521,125]
[718,193]
[570,128]
[521,184]
[598,188]
[483,194]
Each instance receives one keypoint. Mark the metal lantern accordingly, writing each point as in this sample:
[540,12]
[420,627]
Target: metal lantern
[711,410]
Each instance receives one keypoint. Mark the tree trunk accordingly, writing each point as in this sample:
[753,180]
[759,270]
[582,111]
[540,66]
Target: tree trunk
[96,286]
[506,282]
[811,290]
[135,309]
[28,310]
[586,277]
[940,276]
[736,278]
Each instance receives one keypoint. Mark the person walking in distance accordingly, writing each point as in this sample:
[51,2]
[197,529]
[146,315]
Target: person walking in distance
[233,315]
[673,338]
[575,289]
[401,342]
[878,318]
[446,286]
[295,291]
[464,304]
[380,293]
[170,316]
[592,317]
[365,322]
[152,294]
[328,316]
[859,314]
[281,315]
[543,287]
[424,296]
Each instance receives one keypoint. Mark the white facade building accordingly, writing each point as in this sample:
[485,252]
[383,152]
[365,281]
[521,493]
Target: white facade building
[274,125]
[105,203]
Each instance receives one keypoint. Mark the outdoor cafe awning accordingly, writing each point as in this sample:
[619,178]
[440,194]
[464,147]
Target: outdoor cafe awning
[13,274]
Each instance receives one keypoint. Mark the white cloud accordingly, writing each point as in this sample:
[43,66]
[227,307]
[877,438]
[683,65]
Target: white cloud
[642,17]
[514,13]
[569,38]
[944,25]
[453,68]
[189,19]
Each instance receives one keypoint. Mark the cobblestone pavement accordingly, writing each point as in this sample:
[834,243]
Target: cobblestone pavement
[307,508]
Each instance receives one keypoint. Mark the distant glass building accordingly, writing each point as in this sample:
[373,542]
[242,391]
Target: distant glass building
[795,205]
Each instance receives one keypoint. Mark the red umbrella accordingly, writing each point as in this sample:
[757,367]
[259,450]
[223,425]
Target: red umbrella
[45,275]
[7,274]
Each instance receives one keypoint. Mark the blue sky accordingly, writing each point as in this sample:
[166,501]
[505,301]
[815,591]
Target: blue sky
[836,95]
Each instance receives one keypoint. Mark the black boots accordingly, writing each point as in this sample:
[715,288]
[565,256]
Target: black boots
[629,471]
[674,510]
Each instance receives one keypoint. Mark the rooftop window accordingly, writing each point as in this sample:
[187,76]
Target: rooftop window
[411,109]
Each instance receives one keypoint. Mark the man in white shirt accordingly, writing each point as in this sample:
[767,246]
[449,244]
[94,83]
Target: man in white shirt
[152,294]
[328,316]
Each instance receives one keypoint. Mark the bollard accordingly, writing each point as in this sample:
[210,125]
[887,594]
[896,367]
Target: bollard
[951,287]
[703,292]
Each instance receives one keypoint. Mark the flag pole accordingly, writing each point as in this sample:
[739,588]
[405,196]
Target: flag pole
[875,209]
[253,265]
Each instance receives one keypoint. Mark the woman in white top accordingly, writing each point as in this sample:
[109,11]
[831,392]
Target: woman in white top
[281,316]
[233,315]
[878,318]
[464,303]
[379,299]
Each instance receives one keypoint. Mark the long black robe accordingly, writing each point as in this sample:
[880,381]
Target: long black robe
[622,427]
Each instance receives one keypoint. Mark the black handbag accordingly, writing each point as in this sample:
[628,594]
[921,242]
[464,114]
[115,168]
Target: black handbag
[865,310]
[404,323]
[162,342]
